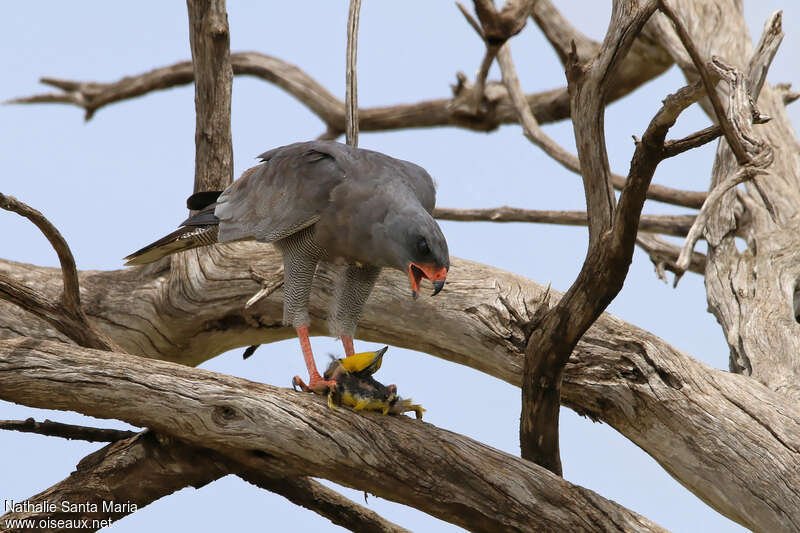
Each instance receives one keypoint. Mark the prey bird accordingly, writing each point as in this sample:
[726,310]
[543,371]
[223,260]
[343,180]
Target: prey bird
[323,201]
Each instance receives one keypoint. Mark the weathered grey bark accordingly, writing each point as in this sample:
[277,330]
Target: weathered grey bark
[713,431]
[210,42]
[145,467]
[751,293]
[444,474]
[729,439]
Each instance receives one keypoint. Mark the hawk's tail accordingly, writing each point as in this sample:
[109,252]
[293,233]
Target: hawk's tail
[200,229]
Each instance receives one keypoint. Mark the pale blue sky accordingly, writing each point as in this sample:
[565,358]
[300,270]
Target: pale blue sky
[119,181]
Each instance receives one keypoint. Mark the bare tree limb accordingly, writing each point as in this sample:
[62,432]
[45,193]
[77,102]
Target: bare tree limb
[132,472]
[558,30]
[713,431]
[759,155]
[71,298]
[664,256]
[547,107]
[747,172]
[612,232]
[326,502]
[210,42]
[495,29]
[65,314]
[538,137]
[351,75]
[66,431]
[696,139]
[677,225]
[139,468]
[473,103]
[449,476]
[529,124]
[699,63]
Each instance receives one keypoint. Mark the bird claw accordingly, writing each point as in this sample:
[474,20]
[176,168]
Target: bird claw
[297,382]
[318,385]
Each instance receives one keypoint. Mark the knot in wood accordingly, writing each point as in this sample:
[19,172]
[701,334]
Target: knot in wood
[224,415]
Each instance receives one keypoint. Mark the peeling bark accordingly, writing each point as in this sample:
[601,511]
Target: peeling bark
[444,474]
[713,431]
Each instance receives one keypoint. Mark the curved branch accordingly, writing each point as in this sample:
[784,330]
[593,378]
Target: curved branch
[548,106]
[63,312]
[71,298]
[713,431]
[447,475]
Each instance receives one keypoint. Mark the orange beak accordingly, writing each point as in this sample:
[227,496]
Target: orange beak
[417,272]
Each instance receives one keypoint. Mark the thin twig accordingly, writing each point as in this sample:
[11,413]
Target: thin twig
[664,255]
[569,161]
[471,20]
[531,126]
[676,225]
[351,75]
[727,128]
[66,431]
[269,284]
[745,173]
[695,140]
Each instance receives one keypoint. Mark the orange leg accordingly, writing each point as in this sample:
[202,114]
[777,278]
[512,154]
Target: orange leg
[315,381]
[347,342]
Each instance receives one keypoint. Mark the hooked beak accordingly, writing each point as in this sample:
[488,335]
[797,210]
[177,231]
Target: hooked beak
[438,285]
[436,275]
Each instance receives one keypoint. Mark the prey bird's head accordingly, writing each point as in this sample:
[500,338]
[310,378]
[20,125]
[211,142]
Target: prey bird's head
[419,249]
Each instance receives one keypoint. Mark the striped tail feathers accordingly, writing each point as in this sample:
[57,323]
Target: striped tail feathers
[198,230]
[184,238]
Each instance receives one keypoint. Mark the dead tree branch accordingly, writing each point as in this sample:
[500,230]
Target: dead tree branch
[611,242]
[664,256]
[441,473]
[210,42]
[708,82]
[676,225]
[65,314]
[713,431]
[351,75]
[538,137]
[144,467]
[549,106]
[759,155]
[315,496]
[66,431]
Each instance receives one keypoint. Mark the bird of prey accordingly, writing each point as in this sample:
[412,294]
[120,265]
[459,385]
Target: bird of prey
[323,201]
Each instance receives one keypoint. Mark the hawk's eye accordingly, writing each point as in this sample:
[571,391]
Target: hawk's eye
[422,246]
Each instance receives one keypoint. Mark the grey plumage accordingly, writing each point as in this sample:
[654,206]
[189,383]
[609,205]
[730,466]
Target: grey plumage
[323,201]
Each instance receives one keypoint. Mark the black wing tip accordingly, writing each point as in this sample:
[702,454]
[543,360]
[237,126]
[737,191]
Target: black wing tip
[201,200]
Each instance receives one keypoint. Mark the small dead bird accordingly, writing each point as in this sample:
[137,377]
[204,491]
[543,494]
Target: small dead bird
[355,386]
